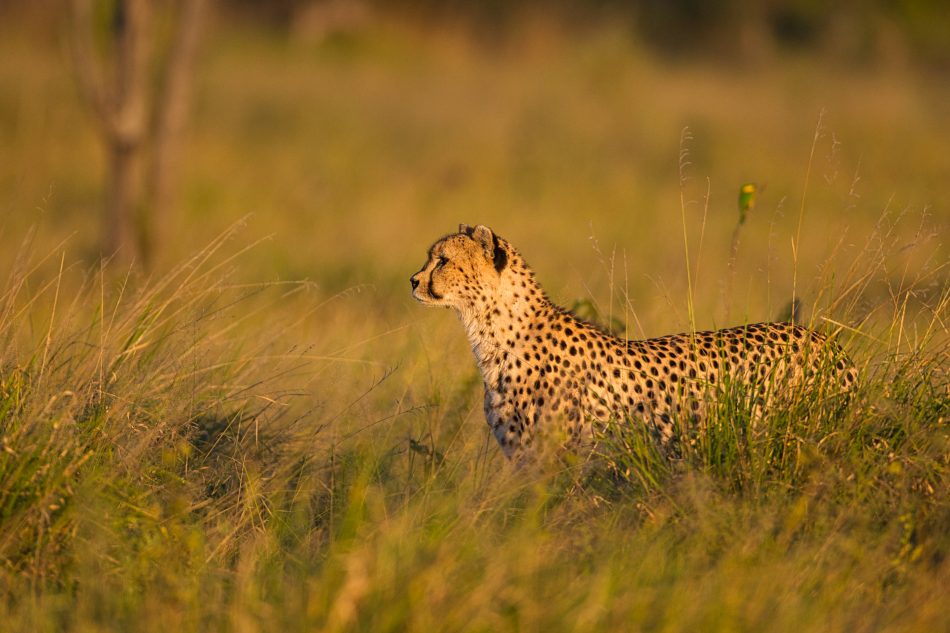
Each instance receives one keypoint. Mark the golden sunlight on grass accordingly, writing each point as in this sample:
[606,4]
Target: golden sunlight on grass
[266,433]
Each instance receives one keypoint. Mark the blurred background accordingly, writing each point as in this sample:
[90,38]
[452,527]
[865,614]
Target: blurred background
[269,434]
[607,139]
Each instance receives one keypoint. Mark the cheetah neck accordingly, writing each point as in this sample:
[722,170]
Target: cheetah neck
[499,327]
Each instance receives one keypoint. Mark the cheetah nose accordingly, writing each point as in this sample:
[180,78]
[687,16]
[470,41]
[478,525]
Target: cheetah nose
[414,282]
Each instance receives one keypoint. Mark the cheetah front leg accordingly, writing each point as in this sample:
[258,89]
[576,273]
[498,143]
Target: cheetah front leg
[507,422]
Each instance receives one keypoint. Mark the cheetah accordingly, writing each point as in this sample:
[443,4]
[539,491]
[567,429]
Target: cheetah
[545,371]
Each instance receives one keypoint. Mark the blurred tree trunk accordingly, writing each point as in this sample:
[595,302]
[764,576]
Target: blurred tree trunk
[170,117]
[125,105]
[119,106]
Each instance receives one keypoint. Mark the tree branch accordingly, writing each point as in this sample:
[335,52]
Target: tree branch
[84,61]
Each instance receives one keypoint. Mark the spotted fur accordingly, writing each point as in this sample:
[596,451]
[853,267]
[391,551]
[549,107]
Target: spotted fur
[546,372]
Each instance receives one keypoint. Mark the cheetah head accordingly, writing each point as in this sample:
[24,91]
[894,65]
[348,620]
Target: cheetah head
[462,267]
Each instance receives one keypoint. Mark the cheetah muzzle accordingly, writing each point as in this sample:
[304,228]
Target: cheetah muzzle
[546,372]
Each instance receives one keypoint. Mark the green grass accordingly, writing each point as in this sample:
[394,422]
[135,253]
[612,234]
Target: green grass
[217,448]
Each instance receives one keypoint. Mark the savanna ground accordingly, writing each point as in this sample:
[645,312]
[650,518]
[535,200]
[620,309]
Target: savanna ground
[268,434]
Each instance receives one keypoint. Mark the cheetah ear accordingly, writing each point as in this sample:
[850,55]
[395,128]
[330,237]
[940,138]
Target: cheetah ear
[484,237]
[493,248]
[466,229]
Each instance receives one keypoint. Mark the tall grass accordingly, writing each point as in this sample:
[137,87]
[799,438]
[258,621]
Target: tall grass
[159,470]
[202,452]
[139,435]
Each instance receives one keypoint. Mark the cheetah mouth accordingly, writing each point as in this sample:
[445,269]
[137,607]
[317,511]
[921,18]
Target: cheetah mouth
[424,296]
[418,297]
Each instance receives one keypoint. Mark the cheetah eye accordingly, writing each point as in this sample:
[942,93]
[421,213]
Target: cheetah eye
[443,260]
